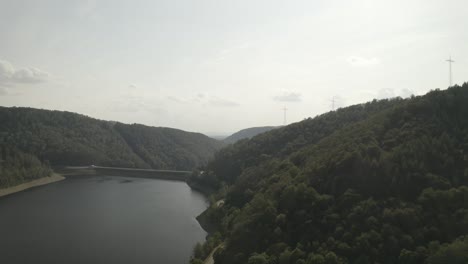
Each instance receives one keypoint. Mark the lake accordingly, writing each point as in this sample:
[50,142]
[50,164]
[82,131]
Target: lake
[101,219]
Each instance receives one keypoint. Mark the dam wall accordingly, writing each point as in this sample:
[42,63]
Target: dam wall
[126,172]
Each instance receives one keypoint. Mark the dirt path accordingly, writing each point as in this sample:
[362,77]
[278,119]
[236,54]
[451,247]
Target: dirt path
[21,187]
[209,259]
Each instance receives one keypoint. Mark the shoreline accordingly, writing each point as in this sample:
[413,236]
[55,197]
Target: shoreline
[34,183]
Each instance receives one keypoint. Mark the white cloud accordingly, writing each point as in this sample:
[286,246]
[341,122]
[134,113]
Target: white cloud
[178,99]
[204,99]
[391,93]
[356,61]
[405,93]
[227,53]
[9,76]
[385,93]
[86,8]
[219,102]
[30,75]
[135,104]
[288,96]
[4,91]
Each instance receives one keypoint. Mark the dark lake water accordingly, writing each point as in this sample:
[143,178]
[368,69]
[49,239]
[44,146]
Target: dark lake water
[101,220]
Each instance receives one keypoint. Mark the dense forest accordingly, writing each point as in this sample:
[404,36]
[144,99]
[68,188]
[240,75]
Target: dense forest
[17,167]
[380,182]
[43,137]
[247,133]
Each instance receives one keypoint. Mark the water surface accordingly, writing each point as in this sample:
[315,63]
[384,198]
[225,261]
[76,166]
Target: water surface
[101,219]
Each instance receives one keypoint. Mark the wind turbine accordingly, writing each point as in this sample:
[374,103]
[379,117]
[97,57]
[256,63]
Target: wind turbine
[450,61]
[284,116]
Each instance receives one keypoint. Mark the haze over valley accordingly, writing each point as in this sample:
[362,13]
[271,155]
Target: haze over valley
[234,132]
[217,67]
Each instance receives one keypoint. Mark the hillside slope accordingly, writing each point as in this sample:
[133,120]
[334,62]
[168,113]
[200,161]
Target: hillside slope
[64,138]
[17,167]
[247,133]
[381,182]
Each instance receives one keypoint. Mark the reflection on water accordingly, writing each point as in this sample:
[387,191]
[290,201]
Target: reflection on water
[126,181]
[101,220]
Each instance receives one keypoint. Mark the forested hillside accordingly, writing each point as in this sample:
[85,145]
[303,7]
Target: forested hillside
[64,138]
[168,148]
[381,182]
[247,133]
[17,167]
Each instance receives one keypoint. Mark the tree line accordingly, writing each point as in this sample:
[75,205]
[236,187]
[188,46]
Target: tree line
[380,182]
[59,138]
[17,167]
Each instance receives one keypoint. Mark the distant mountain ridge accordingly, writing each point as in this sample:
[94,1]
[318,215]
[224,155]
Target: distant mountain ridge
[64,138]
[247,133]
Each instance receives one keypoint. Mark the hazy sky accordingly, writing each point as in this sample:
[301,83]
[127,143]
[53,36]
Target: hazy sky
[217,66]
